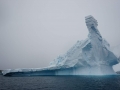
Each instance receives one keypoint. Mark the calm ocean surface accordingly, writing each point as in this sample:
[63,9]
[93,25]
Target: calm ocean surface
[60,83]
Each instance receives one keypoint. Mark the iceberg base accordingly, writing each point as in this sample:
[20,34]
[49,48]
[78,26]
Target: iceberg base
[96,70]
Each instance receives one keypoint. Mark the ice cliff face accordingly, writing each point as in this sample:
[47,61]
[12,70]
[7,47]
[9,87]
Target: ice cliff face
[91,56]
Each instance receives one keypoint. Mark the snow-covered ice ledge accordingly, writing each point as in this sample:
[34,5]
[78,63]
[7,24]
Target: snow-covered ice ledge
[95,70]
[91,56]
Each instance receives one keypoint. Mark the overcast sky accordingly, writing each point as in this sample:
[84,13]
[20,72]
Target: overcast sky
[34,32]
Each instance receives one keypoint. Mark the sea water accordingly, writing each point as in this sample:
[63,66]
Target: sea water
[60,83]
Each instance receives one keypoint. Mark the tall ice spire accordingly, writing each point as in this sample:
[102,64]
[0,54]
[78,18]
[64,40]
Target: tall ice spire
[92,24]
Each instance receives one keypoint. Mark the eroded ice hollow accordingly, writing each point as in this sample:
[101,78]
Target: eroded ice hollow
[91,56]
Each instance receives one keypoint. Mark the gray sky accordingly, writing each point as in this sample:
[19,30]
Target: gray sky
[34,32]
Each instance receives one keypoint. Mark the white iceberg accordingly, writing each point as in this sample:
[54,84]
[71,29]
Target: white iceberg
[91,56]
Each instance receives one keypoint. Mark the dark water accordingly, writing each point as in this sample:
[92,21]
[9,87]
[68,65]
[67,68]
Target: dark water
[60,83]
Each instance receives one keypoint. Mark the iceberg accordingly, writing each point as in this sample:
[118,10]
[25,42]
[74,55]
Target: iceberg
[91,56]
